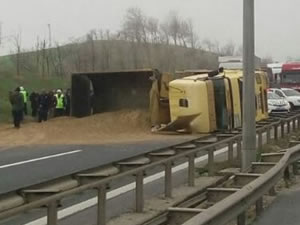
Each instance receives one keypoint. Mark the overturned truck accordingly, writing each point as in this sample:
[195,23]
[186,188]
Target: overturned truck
[98,92]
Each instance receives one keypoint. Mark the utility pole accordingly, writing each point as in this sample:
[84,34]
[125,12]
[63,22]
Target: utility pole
[249,109]
[50,35]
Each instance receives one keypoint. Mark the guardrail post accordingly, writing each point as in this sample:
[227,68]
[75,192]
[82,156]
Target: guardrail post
[101,208]
[239,150]
[52,213]
[295,168]
[211,169]
[168,180]
[294,124]
[241,220]
[259,206]
[268,134]
[139,192]
[282,128]
[191,175]
[272,191]
[260,140]
[276,132]
[230,152]
[288,126]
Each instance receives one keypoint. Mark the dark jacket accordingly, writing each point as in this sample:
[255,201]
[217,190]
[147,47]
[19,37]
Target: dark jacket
[34,99]
[16,100]
[44,102]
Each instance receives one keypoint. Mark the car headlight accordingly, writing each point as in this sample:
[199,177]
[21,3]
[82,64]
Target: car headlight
[270,104]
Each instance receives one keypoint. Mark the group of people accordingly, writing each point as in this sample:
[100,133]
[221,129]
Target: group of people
[54,103]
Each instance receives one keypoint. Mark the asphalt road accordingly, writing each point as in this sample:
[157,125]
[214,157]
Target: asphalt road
[83,213]
[21,167]
[284,210]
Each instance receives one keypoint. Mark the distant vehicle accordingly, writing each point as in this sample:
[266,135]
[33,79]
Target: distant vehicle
[274,72]
[236,62]
[291,95]
[290,76]
[277,104]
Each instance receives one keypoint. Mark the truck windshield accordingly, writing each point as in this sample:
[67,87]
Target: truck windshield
[290,77]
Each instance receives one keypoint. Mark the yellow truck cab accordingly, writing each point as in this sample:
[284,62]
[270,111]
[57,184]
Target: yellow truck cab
[209,99]
[193,96]
[215,101]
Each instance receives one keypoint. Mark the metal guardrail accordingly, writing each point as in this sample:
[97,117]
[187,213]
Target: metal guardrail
[52,198]
[236,205]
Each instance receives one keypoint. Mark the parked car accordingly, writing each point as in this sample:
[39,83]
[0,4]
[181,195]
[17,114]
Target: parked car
[291,95]
[277,104]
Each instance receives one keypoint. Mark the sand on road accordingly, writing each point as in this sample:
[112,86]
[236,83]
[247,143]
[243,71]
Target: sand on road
[111,127]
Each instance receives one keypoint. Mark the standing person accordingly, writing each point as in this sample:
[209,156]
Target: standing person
[34,99]
[25,98]
[68,102]
[44,104]
[17,101]
[52,102]
[59,104]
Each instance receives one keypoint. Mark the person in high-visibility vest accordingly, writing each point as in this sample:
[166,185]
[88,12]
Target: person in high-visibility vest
[60,103]
[25,95]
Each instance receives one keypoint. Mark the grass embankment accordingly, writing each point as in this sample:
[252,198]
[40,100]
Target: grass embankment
[31,81]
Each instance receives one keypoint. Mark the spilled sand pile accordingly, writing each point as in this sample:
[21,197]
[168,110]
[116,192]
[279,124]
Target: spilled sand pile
[119,126]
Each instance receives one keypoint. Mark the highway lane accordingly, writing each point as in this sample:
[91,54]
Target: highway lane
[25,166]
[284,210]
[86,201]
[75,208]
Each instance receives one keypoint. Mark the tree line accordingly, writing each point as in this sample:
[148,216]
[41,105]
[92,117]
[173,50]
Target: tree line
[142,42]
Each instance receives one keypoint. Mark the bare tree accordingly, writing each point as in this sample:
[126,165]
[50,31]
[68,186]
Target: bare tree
[211,46]
[174,24]
[17,42]
[135,29]
[91,45]
[44,56]
[77,54]
[58,66]
[164,34]
[106,49]
[228,49]
[153,29]
[134,25]
[266,60]
[192,36]
[183,33]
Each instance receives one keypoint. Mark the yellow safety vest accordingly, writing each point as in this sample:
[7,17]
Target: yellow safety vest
[59,101]
[24,93]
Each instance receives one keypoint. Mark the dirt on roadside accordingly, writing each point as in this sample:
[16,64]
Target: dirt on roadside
[120,126]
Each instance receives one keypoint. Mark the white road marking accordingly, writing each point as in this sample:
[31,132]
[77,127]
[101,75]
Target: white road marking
[39,159]
[119,191]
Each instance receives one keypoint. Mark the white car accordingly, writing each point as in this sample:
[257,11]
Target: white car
[291,95]
[277,104]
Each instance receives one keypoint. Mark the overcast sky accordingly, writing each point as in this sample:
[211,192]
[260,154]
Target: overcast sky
[277,21]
